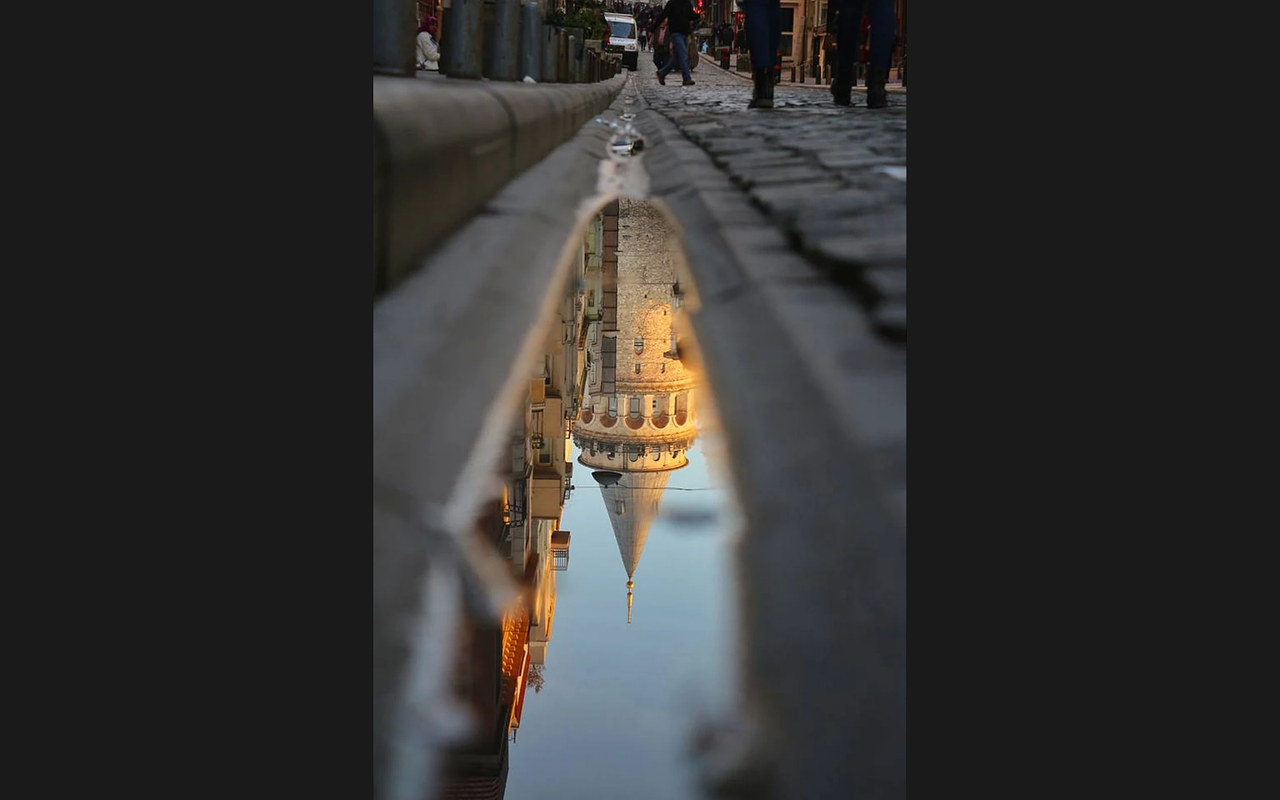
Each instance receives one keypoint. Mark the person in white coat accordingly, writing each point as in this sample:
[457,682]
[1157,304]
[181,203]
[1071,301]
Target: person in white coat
[428,57]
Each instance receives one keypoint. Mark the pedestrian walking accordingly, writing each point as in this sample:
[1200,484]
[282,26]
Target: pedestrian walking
[850,20]
[680,17]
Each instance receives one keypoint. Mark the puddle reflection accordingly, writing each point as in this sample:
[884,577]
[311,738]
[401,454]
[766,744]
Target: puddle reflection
[610,425]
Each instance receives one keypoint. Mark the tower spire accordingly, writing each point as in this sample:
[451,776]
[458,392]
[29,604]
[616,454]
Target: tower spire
[630,599]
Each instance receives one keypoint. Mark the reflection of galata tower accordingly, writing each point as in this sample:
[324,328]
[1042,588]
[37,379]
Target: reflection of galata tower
[639,414]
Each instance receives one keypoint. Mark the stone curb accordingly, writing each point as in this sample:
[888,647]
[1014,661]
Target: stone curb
[813,405]
[441,149]
[468,316]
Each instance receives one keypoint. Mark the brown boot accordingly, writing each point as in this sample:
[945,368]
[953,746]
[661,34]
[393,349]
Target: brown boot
[762,91]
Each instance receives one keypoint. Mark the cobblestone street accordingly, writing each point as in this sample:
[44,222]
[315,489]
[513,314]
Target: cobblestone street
[832,179]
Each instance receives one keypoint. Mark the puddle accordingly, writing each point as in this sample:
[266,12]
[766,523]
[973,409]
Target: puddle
[615,519]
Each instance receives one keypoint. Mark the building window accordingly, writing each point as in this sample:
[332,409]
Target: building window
[613,406]
[635,407]
[788,28]
[639,345]
[664,369]
[637,369]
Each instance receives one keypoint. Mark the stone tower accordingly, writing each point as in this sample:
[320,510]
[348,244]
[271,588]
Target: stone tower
[639,411]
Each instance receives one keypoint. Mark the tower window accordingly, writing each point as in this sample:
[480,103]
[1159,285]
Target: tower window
[637,369]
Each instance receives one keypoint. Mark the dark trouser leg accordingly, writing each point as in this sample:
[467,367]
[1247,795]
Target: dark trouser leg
[764,31]
[848,26]
[680,44]
[884,27]
[671,62]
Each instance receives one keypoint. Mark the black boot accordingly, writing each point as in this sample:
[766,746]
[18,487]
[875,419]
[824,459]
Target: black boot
[842,83]
[841,91]
[877,97]
[762,93]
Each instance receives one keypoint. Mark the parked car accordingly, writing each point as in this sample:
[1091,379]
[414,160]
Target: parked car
[623,38]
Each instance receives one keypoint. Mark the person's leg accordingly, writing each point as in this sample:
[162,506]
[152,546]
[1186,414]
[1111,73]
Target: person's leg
[763,17]
[759,33]
[884,27]
[775,29]
[671,59]
[848,28]
[681,46]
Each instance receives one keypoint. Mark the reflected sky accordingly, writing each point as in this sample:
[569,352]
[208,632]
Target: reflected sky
[612,718]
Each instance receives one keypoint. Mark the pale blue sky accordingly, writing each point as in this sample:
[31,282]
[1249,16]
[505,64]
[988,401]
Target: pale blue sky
[612,720]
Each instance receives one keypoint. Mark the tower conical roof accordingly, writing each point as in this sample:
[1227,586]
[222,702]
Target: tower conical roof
[633,505]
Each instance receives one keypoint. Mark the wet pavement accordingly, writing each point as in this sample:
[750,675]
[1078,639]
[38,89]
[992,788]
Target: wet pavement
[616,520]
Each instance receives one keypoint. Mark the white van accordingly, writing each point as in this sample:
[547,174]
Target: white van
[624,38]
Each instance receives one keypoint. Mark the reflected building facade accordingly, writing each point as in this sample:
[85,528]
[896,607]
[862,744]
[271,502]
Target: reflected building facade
[608,377]
[638,418]
[498,663]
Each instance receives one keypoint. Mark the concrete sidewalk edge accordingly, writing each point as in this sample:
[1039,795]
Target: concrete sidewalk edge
[443,148]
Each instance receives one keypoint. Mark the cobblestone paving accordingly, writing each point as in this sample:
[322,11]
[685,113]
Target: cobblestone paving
[832,179]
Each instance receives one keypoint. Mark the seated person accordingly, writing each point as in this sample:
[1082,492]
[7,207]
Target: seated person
[428,50]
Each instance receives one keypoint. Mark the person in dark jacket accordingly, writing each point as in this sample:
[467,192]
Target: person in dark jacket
[845,18]
[679,16]
[724,35]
